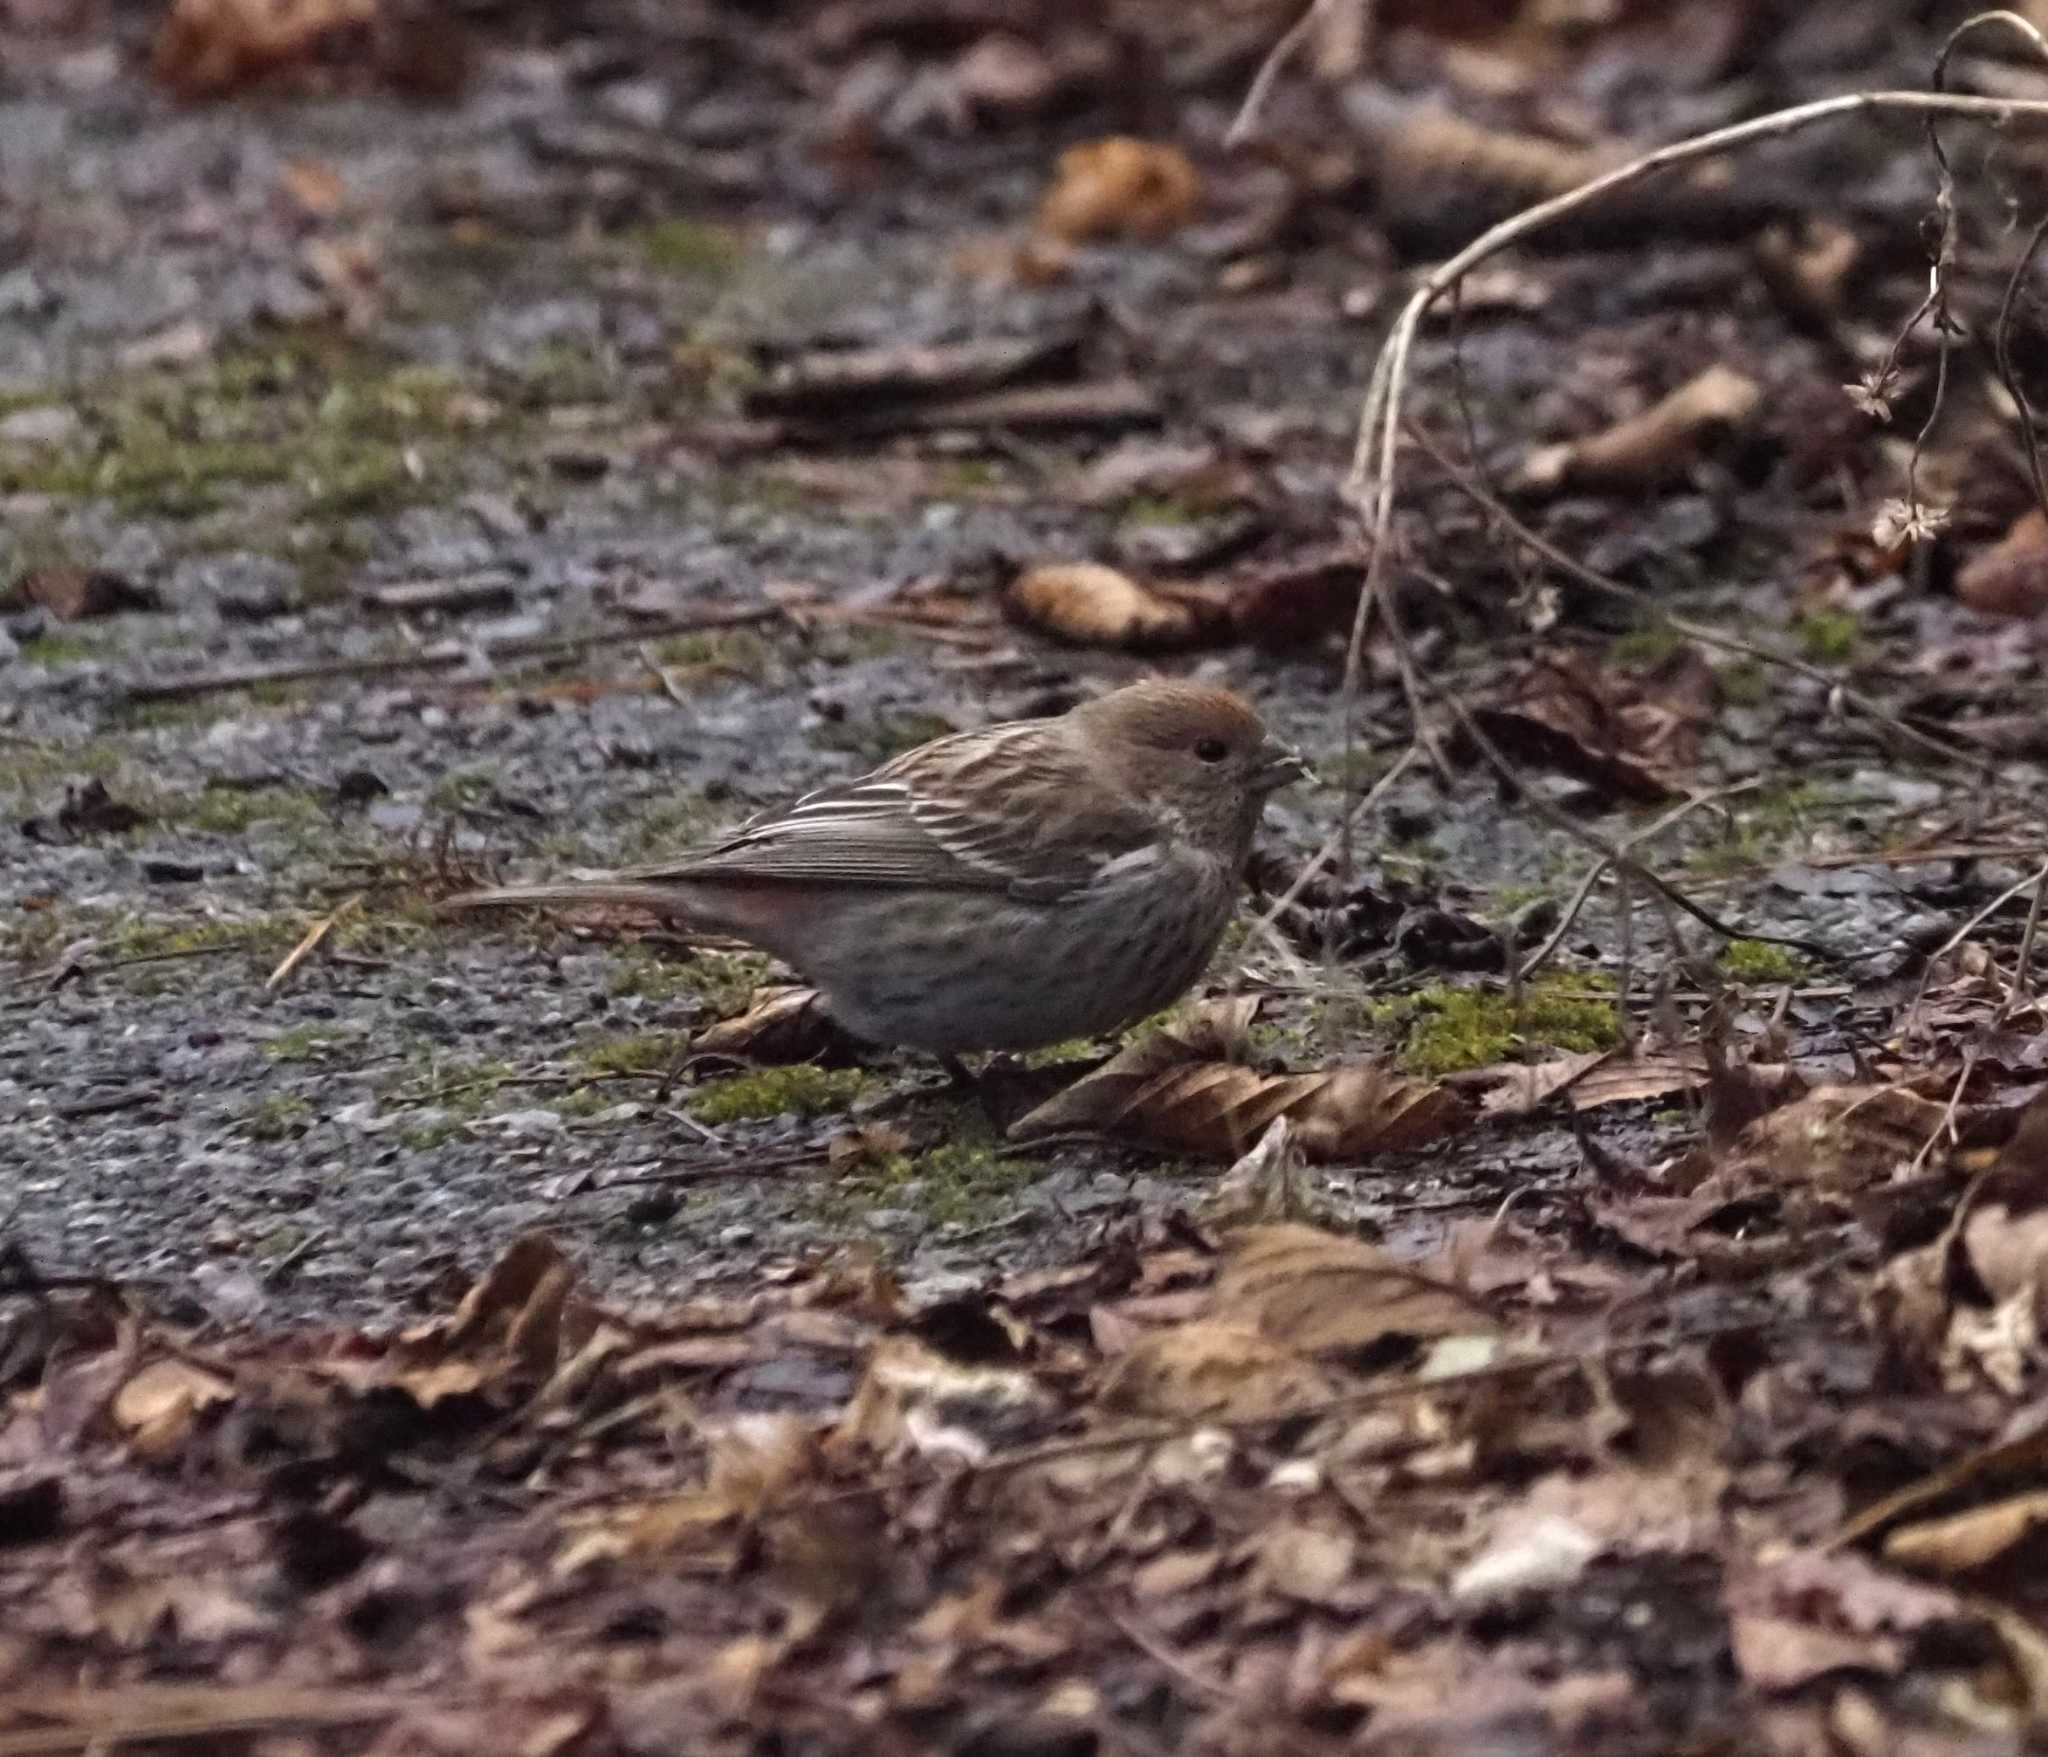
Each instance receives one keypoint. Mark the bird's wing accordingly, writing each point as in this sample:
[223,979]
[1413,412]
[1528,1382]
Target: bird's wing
[1006,809]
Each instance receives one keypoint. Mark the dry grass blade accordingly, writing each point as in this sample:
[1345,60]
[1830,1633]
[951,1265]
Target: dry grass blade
[80,1720]
[310,943]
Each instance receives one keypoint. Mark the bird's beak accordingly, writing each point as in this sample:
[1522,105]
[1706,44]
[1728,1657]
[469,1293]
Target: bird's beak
[1279,767]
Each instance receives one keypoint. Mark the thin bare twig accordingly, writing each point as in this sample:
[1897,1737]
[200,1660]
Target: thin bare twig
[164,689]
[1370,486]
[1705,634]
[1272,67]
[1656,827]
[2037,880]
[313,936]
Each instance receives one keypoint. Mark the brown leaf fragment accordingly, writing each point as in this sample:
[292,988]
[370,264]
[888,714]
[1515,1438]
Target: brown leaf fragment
[1630,737]
[827,381]
[158,1408]
[1321,1294]
[1361,1109]
[1651,1075]
[1298,601]
[1119,188]
[915,1401]
[2011,577]
[519,1302]
[1966,1541]
[314,187]
[1651,449]
[1778,1653]
[1096,606]
[1837,1139]
[1307,1563]
[75,594]
[1219,1369]
[1168,1089]
[781,1025]
[752,1463]
[207,48]
[1522,1088]
[2008,1463]
[1170,1574]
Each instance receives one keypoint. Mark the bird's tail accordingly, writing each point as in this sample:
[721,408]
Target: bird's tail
[661,899]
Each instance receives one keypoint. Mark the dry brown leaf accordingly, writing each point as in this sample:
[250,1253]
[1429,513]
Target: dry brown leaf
[2021,1459]
[913,1400]
[781,1025]
[1220,1370]
[1780,1653]
[1170,1089]
[1974,1539]
[521,1322]
[1096,606]
[1650,449]
[1307,1563]
[1298,601]
[207,48]
[1119,188]
[2011,577]
[1362,1109]
[752,1463]
[1632,737]
[73,594]
[158,1408]
[1837,1139]
[314,187]
[1319,1293]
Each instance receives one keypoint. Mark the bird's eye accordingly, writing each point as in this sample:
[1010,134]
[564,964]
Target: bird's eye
[1211,750]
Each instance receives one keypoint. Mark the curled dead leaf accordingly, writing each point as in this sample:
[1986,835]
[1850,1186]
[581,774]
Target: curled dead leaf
[781,1025]
[158,1408]
[1630,737]
[1838,1138]
[1096,606]
[1964,1542]
[1173,1089]
[1320,1294]
[1650,449]
[915,1400]
[73,594]
[2011,577]
[207,48]
[752,1463]
[1213,1368]
[1119,188]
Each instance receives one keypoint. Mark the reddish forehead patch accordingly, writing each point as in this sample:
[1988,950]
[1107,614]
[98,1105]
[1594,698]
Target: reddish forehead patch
[1163,710]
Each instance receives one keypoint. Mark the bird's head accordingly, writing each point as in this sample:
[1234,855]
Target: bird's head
[1197,755]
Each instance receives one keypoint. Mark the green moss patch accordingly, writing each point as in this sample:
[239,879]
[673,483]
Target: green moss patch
[690,249]
[1829,637]
[723,981]
[1758,961]
[646,1052]
[341,427]
[280,1117]
[303,1043]
[1447,1029]
[799,1091]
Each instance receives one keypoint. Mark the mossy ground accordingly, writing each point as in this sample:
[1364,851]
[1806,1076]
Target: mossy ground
[339,427]
[799,1091]
[1445,1029]
[721,982]
[1758,961]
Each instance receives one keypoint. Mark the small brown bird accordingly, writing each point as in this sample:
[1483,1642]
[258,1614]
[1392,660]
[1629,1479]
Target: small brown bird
[1000,889]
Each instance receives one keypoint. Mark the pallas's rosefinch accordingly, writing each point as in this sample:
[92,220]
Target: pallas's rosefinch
[997,889]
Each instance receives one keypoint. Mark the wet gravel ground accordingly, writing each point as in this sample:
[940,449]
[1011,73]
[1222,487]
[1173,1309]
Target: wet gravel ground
[522,383]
